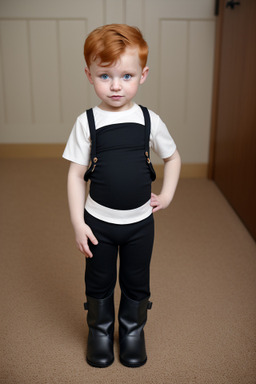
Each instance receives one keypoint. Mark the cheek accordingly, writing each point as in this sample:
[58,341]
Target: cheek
[99,87]
[132,89]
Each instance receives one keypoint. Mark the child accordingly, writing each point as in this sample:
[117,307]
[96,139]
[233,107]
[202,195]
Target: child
[117,215]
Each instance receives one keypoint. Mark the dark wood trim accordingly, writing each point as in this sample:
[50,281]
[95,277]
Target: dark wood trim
[215,94]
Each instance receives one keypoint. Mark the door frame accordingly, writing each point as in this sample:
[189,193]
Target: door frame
[219,10]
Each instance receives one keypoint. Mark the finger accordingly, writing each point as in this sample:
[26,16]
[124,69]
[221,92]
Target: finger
[87,252]
[92,238]
[154,203]
[157,208]
[154,197]
[80,248]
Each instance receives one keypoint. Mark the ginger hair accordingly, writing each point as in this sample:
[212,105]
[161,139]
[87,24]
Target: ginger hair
[108,42]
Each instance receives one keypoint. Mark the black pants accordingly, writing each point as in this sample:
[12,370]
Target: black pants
[134,243]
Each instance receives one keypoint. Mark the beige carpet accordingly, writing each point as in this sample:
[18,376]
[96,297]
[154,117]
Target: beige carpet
[202,327]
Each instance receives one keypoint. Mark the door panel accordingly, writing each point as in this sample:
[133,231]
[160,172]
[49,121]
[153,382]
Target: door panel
[235,159]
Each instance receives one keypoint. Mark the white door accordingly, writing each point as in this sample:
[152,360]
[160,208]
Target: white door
[42,81]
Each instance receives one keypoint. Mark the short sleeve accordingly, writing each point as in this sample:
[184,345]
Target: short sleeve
[161,141]
[78,146]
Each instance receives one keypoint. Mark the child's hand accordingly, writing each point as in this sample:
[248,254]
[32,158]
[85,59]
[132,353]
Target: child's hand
[84,233]
[158,202]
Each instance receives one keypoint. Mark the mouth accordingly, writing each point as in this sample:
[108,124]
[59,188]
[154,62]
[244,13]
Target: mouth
[116,97]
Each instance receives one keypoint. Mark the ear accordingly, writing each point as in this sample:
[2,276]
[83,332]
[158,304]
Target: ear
[144,75]
[88,74]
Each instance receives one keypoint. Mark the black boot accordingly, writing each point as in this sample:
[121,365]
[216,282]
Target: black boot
[132,319]
[100,319]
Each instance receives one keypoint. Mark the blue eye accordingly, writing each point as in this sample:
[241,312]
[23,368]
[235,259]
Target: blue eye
[127,77]
[104,76]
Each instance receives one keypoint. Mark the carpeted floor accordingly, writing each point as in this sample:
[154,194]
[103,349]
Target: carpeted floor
[202,327]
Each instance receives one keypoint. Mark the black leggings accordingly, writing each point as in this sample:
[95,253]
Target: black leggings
[134,243]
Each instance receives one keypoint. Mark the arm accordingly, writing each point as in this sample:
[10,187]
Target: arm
[76,200]
[171,176]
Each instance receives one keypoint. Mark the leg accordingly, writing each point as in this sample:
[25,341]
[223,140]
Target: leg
[134,281]
[135,257]
[100,279]
[100,273]
[100,320]
[132,319]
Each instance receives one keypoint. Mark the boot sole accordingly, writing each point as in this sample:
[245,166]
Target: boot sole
[95,365]
[129,365]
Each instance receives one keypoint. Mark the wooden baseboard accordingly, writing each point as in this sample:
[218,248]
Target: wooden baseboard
[30,151]
[197,170]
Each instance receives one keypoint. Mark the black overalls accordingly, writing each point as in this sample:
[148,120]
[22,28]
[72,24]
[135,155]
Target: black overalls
[121,174]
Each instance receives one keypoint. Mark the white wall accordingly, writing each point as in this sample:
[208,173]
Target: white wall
[42,83]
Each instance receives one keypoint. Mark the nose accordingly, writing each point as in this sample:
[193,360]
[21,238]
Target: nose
[115,85]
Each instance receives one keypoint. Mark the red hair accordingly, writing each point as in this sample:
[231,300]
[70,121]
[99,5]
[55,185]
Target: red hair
[107,43]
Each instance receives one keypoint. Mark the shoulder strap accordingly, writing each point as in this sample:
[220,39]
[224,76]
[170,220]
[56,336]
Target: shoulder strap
[147,138]
[92,128]
[147,129]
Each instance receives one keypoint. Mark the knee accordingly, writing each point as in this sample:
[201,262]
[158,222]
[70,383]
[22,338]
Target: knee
[136,287]
[99,284]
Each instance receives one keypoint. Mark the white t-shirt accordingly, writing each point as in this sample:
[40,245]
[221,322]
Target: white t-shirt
[78,150]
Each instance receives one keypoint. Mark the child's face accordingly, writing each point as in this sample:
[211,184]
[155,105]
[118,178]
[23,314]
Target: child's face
[117,85]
